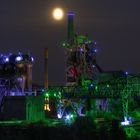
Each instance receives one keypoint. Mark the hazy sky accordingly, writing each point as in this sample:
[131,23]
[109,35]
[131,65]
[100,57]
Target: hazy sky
[27,26]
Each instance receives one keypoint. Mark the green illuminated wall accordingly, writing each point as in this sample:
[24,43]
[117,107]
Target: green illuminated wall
[35,108]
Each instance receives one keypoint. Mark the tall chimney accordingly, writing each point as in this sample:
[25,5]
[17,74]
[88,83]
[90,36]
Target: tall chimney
[70,29]
[29,76]
[46,68]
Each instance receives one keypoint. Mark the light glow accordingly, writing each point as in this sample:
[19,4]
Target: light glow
[19,58]
[6,59]
[58,13]
[59,116]
[68,117]
[125,123]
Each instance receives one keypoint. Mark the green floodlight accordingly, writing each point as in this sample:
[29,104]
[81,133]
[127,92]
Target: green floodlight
[108,85]
[96,87]
[46,94]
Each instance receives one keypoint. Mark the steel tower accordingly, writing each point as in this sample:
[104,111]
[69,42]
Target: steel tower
[81,66]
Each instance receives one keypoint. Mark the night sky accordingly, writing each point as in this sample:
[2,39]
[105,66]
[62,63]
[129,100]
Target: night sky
[27,26]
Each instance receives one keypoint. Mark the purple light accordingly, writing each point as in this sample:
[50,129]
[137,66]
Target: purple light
[126,73]
[95,50]
[32,59]
[19,53]
[19,58]
[71,13]
[10,54]
[81,49]
[19,79]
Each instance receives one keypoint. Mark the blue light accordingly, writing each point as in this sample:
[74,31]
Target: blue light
[94,50]
[10,54]
[126,122]
[6,59]
[71,13]
[126,73]
[91,85]
[19,58]
[19,53]
[59,116]
[130,119]
[68,117]
[32,59]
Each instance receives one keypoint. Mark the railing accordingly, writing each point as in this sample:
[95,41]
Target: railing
[103,91]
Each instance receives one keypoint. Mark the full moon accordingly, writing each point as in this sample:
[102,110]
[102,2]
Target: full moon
[58,13]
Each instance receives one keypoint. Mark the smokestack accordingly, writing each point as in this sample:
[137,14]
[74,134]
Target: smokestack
[70,25]
[46,68]
[29,76]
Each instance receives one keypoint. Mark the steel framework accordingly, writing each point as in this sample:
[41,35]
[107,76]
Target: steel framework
[125,88]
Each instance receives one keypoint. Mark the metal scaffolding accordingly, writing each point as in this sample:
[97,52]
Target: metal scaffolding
[124,88]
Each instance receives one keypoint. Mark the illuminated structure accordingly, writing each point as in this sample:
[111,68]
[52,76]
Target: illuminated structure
[80,57]
[15,74]
[17,100]
[89,88]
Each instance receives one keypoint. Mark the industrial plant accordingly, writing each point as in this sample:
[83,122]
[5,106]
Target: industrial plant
[89,90]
